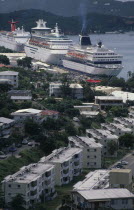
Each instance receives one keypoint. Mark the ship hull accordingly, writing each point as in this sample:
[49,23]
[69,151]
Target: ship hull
[45,55]
[11,44]
[90,70]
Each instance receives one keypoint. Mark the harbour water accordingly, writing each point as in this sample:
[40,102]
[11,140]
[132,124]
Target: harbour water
[120,43]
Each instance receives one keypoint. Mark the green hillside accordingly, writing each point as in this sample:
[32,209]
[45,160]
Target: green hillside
[69,25]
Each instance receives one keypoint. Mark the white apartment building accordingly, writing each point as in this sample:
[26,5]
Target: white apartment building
[6,126]
[116,199]
[76,90]
[103,137]
[105,101]
[11,76]
[116,128]
[127,122]
[35,114]
[32,182]
[91,150]
[68,164]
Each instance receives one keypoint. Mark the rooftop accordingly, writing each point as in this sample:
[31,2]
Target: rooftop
[108,98]
[61,155]
[29,173]
[21,97]
[74,85]
[124,95]
[101,133]
[85,140]
[121,170]
[116,126]
[49,112]
[30,110]
[9,73]
[5,120]
[105,194]
[19,92]
[98,179]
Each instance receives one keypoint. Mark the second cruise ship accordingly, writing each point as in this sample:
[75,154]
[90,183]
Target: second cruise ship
[92,60]
[47,45]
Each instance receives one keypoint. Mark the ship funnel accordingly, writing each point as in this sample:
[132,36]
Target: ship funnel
[13,25]
[85,40]
[100,44]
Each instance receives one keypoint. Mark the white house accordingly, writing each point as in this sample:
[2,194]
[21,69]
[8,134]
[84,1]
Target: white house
[11,76]
[35,114]
[76,90]
[105,101]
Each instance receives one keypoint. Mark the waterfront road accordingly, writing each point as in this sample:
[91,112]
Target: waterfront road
[130,159]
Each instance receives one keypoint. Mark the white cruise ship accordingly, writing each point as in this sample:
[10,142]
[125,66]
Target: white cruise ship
[93,60]
[15,39]
[47,45]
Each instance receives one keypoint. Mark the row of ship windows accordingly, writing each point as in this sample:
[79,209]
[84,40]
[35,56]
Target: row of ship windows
[104,53]
[107,59]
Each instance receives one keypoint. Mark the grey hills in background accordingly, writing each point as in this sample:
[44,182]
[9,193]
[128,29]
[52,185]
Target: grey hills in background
[70,7]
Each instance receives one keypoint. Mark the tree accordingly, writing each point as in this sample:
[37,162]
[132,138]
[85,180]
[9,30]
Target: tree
[88,92]
[25,62]
[85,122]
[117,82]
[127,140]
[65,87]
[4,60]
[100,118]
[70,129]
[5,88]
[130,83]
[31,127]
[18,202]
[118,111]
[112,147]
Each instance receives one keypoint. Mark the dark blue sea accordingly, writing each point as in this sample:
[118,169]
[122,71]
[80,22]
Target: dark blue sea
[120,43]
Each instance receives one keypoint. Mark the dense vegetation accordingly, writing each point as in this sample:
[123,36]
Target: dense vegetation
[5,50]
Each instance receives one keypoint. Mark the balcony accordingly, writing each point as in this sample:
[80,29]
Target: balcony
[76,164]
[77,172]
[47,183]
[66,180]
[65,165]
[48,174]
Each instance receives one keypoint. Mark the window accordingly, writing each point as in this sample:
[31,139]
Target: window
[95,156]
[94,150]
[18,185]
[124,201]
[9,185]
[88,156]
[87,150]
